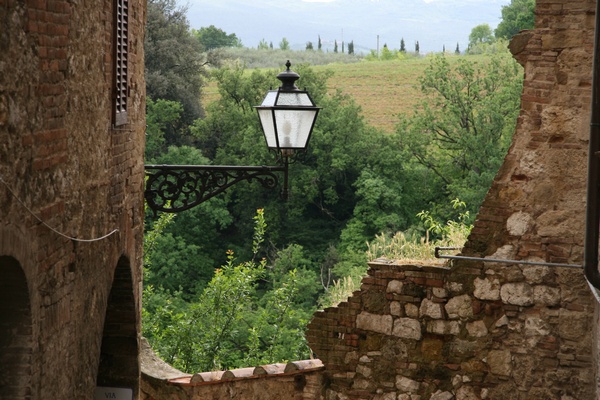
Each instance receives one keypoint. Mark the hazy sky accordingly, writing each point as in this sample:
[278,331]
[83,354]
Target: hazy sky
[433,23]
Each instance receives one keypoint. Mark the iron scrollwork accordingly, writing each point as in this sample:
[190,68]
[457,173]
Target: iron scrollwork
[175,188]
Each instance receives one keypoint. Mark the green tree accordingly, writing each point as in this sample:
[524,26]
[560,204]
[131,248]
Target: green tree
[212,38]
[309,46]
[516,16]
[233,322]
[173,64]
[402,46]
[387,54]
[481,34]
[284,44]
[351,47]
[457,50]
[335,47]
[161,116]
[263,45]
[462,130]
[417,47]
[319,44]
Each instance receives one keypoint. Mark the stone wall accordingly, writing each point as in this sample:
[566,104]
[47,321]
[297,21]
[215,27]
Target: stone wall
[302,380]
[440,333]
[66,171]
[479,330]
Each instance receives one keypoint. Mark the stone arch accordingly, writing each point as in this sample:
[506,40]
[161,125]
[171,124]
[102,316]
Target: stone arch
[119,362]
[16,331]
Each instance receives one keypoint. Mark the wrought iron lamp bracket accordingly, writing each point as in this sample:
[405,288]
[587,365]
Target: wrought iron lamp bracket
[175,188]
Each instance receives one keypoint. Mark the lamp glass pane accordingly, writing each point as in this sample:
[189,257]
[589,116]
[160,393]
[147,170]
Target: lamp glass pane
[266,120]
[293,127]
[293,99]
[270,98]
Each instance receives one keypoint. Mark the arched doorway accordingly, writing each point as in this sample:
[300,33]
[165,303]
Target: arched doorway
[15,332]
[119,366]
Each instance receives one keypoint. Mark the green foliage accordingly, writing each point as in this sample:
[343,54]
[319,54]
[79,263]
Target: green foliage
[481,34]
[161,116]
[403,246]
[284,44]
[462,131]
[229,324]
[353,184]
[351,47]
[498,46]
[266,57]
[516,16]
[213,38]
[173,63]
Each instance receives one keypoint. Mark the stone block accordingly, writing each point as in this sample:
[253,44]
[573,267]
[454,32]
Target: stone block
[439,395]
[394,287]
[487,288]
[459,307]
[517,293]
[411,310]
[519,223]
[442,327]
[407,328]
[546,295]
[500,362]
[477,329]
[375,322]
[407,385]
[430,309]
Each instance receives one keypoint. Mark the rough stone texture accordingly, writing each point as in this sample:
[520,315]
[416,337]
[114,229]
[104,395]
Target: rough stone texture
[507,331]
[61,162]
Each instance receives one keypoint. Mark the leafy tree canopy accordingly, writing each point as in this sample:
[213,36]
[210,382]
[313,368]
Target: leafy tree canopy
[462,131]
[481,34]
[516,16]
[213,38]
[173,63]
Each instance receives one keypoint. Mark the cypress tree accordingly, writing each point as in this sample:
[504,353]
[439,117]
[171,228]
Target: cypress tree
[457,51]
[402,46]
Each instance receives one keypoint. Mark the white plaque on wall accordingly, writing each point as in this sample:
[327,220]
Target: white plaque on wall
[111,393]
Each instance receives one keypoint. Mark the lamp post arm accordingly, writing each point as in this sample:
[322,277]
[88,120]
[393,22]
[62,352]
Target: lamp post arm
[176,188]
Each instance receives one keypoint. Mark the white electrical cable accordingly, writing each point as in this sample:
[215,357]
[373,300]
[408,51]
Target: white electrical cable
[48,226]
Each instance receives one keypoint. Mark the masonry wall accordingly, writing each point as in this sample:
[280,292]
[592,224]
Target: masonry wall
[479,330]
[63,165]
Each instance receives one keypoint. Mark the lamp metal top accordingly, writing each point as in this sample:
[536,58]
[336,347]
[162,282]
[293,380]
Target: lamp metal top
[288,78]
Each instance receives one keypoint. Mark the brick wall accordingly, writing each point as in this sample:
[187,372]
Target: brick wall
[62,161]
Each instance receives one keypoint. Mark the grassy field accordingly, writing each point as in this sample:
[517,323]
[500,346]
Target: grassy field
[383,89]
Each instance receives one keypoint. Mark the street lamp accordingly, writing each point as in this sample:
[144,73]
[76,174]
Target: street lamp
[287,117]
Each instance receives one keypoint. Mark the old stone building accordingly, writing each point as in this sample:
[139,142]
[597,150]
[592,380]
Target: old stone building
[71,226]
[71,209]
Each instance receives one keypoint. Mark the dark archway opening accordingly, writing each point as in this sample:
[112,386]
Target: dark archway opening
[15,332]
[119,365]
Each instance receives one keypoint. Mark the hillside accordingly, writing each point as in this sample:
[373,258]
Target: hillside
[383,89]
